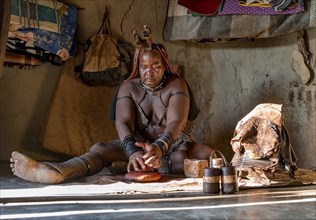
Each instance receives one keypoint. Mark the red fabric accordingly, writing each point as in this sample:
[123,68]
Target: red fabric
[206,7]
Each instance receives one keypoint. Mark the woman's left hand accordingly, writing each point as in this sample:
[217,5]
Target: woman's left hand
[153,154]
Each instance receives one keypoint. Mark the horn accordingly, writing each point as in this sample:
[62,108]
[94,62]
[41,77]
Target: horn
[147,35]
[143,41]
[137,39]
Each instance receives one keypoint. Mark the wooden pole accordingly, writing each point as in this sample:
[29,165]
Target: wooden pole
[5,13]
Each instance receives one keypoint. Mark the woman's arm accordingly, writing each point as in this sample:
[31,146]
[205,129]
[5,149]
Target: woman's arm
[124,123]
[124,111]
[177,114]
[178,108]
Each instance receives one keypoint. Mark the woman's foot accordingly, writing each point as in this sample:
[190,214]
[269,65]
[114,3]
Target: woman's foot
[33,171]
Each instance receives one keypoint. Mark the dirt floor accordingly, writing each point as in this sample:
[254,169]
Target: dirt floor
[109,196]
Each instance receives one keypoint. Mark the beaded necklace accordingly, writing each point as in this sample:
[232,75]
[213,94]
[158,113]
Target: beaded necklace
[156,88]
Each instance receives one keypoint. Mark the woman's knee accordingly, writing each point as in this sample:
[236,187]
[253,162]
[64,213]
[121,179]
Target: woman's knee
[109,151]
[99,146]
[102,154]
[200,151]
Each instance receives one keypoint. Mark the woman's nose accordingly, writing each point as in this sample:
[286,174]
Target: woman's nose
[151,71]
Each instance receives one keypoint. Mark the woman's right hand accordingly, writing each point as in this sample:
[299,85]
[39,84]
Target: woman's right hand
[137,163]
[153,154]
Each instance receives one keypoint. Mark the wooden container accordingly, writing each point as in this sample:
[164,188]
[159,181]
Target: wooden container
[228,179]
[229,182]
[211,178]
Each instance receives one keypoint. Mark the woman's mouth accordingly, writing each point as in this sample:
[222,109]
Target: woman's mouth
[151,81]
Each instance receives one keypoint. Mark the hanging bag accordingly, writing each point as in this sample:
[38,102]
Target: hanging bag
[106,63]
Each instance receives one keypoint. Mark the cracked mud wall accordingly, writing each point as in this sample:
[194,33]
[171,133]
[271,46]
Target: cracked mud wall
[228,79]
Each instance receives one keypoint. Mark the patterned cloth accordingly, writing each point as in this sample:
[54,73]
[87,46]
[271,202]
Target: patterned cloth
[180,25]
[261,3]
[36,14]
[280,5]
[12,59]
[234,7]
[48,24]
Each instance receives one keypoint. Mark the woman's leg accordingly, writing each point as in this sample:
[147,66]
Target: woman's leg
[176,162]
[200,152]
[103,154]
[99,155]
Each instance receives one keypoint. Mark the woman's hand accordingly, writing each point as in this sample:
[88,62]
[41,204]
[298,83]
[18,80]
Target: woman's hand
[137,163]
[153,154]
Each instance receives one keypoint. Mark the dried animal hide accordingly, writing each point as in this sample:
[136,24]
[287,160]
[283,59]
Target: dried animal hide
[261,142]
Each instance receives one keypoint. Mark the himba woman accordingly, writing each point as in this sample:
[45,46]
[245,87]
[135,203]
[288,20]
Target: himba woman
[152,118]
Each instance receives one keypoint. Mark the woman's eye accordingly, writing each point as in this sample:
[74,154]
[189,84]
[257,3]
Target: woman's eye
[157,66]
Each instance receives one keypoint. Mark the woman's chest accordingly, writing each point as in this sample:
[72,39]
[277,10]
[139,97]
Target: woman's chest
[153,106]
[151,115]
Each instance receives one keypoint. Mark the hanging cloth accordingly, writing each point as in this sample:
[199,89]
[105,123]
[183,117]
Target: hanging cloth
[205,7]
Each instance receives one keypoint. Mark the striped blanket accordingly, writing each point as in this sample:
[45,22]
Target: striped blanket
[39,14]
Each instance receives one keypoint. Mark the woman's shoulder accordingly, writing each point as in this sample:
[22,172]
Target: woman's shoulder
[130,86]
[175,82]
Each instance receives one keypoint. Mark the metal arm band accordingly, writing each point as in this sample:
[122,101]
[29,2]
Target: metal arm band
[160,146]
[164,141]
[156,145]
[128,145]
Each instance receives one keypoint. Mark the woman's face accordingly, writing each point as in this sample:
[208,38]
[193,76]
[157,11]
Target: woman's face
[151,68]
